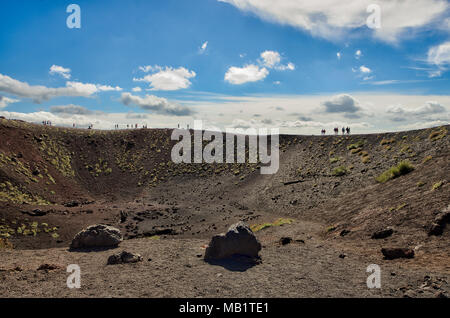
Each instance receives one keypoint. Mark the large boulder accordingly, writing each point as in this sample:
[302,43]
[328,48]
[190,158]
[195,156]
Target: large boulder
[238,241]
[97,236]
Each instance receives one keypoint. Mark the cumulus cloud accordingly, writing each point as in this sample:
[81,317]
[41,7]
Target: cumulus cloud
[400,113]
[5,101]
[338,55]
[345,104]
[272,59]
[331,18]
[59,70]
[156,104]
[137,89]
[249,73]
[253,72]
[71,110]
[166,78]
[358,54]
[39,93]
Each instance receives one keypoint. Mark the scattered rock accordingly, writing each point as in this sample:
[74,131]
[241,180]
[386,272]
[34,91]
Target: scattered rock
[409,294]
[435,229]
[344,232]
[35,212]
[123,258]
[382,234]
[393,253]
[71,204]
[97,236]
[342,256]
[48,267]
[441,220]
[285,240]
[123,216]
[440,295]
[239,240]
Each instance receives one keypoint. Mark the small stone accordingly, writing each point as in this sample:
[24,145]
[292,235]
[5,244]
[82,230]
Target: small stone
[382,234]
[48,267]
[285,240]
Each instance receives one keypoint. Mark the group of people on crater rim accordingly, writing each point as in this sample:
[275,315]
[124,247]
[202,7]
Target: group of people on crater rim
[336,131]
[135,126]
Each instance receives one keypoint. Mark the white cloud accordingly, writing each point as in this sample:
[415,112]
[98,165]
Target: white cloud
[439,57]
[137,89]
[400,112]
[364,69]
[59,70]
[246,74]
[156,104]
[39,93]
[272,59]
[4,101]
[70,110]
[107,88]
[440,54]
[253,73]
[345,104]
[333,19]
[358,54]
[422,125]
[203,47]
[166,78]
[339,55]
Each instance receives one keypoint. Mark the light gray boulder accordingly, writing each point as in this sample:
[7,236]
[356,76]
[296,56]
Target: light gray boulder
[238,241]
[97,236]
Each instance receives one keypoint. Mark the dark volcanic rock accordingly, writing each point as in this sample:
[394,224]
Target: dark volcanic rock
[393,253]
[440,222]
[239,240]
[124,257]
[285,240]
[71,204]
[48,267]
[97,236]
[382,234]
[436,229]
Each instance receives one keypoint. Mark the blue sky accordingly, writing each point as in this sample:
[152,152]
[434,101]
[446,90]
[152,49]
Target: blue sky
[263,63]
